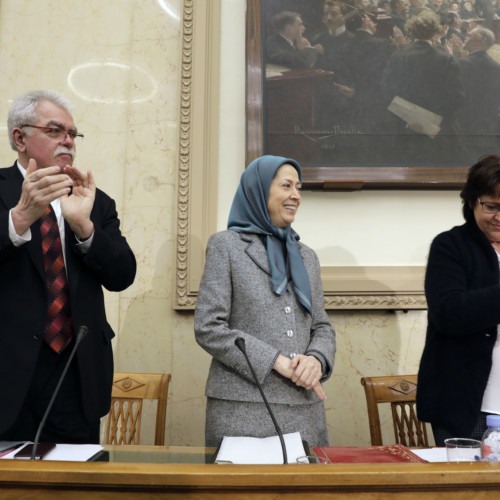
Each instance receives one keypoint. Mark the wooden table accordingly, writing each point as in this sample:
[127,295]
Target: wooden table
[22,480]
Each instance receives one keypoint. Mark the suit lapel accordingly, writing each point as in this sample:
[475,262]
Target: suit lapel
[256,251]
[11,181]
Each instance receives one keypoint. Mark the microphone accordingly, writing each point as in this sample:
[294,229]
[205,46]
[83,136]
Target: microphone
[240,344]
[82,332]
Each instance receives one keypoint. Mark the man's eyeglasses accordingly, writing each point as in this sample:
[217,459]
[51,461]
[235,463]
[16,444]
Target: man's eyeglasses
[488,207]
[57,132]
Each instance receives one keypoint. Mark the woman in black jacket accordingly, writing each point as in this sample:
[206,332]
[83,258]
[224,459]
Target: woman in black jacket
[459,375]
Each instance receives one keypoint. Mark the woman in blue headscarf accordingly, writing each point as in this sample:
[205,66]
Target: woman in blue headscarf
[263,285]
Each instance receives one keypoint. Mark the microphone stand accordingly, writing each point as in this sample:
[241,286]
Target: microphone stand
[240,344]
[82,332]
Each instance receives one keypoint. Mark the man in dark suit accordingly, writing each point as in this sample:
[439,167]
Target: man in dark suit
[399,14]
[440,7]
[287,47]
[333,98]
[479,116]
[43,303]
[485,10]
[454,24]
[366,57]
[428,77]
[333,40]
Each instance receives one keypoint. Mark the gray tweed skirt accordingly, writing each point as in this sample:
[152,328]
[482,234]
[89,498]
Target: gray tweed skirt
[242,418]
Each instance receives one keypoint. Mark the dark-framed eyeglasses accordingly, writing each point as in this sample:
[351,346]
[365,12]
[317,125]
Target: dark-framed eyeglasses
[57,132]
[488,207]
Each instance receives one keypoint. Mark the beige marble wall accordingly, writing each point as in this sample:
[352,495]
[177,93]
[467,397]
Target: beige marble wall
[119,62]
[369,344]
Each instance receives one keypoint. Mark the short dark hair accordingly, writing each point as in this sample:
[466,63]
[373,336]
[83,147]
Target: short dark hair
[284,18]
[483,179]
[354,20]
[344,7]
[451,17]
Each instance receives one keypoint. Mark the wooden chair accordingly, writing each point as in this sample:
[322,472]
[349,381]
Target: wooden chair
[400,391]
[129,391]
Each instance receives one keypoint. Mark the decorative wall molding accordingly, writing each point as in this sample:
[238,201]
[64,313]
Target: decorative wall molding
[380,301]
[198,145]
[182,298]
[374,287]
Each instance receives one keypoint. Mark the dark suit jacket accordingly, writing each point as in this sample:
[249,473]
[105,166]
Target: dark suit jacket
[479,114]
[456,32]
[399,22]
[430,78]
[485,9]
[366,58]
[463,292]
[279,51]
[109,262]
[334,59]
[426,76]
[332,108]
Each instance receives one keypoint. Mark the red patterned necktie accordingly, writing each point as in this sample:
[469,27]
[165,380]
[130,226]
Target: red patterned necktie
[58,328]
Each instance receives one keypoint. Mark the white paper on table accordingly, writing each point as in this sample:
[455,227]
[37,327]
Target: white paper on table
[275,70]
[250,450]
[66,452]
[432,454]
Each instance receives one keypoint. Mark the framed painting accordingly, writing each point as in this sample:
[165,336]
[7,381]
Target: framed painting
[345,142]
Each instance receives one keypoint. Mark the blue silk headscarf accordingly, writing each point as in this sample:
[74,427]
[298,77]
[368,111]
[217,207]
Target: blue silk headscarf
[249,214]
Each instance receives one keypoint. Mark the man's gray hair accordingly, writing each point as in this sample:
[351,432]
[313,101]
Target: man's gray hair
[23,109]
[486,36]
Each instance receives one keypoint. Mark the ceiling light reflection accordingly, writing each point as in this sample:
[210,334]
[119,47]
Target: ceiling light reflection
[112,83]
[168,10]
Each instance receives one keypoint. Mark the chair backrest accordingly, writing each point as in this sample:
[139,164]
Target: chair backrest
[125,415]
[401,392]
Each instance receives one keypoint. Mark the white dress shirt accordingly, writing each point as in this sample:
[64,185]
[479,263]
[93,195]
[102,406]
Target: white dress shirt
[491,396]
[20,239]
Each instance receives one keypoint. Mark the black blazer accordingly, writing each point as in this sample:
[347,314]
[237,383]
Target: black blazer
[463,296]
[334,57]
[279,51]
[109,263]
[426,76]
[479,115]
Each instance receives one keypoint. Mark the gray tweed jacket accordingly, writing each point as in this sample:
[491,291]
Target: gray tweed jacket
[236,300]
